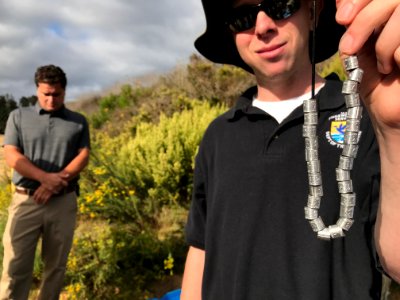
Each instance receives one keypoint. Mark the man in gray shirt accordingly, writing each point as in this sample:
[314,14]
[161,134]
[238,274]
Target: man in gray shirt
[47,146]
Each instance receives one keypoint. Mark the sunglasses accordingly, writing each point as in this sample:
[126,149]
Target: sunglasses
[244,17]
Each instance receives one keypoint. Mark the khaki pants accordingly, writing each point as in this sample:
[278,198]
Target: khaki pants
[54,222]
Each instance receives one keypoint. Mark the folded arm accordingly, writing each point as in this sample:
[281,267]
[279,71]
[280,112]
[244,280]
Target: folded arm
[50,183]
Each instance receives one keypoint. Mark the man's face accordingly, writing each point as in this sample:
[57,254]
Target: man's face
[275,48]
[50,96]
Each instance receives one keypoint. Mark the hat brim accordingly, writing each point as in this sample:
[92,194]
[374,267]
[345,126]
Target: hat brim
[217,44]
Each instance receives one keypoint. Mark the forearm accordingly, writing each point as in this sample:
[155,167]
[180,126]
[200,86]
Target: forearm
[193,275]
[22,164]
[387,229]
[77,164]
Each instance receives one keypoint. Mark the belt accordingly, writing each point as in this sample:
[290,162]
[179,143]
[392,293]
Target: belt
[29,192]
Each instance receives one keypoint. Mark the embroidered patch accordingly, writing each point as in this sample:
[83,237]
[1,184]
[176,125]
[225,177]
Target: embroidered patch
[335,135]
[337,131]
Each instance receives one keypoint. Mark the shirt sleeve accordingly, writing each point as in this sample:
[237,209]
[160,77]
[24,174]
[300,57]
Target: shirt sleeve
[85,136]
[195,227]
[12,131]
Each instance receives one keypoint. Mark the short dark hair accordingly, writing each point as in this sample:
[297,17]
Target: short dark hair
[50,74]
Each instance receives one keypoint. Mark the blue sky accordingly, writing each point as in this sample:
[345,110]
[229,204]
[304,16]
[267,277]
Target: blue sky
[98,43]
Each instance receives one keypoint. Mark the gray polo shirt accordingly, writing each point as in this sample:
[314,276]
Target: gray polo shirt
[49,140]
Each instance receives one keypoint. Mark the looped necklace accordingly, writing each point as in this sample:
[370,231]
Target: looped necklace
[350,147]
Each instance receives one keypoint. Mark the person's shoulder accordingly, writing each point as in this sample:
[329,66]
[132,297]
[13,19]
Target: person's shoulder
[29,108]
[221,120]
[22,110]
[74,115]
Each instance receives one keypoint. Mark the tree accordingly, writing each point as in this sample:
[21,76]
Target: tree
[28,101]
[7,104]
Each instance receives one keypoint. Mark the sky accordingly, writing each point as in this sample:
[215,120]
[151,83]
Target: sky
[98,43]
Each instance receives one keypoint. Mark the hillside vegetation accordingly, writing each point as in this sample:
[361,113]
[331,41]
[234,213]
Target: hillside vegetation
[136,191]
[1,154]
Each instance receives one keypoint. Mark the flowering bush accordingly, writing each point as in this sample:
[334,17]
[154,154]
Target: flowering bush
[133,205]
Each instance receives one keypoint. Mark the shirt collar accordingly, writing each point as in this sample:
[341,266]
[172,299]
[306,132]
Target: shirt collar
[41,111]
[329,97]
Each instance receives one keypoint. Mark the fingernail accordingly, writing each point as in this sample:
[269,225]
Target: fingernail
[345,11]
[346,44]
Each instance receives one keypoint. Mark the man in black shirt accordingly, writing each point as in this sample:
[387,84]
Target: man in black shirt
[299,150]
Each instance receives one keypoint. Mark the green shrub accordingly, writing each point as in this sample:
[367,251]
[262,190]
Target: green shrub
[110,261]
[158,163]
[332,65]
[5,194]
[133,204]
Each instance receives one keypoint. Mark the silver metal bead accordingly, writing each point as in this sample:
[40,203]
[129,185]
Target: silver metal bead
[348,199]
[310,105]
[345,223]
[311,154]
[350,87]
[336,231]
[314,201]
[311,142]
[314,166]
[356,75]
[350,150]
[345,187]
[317,224]
[351,137]
[355,112]
[314,179]
[309,130]
[353,125]
[346,163]
[324,234]
[351,63]
[311,118]
[316,191]
[352,100]
[342,175]
[346,211]
[310,213]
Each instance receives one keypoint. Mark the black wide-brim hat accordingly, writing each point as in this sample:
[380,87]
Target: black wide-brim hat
[217,44]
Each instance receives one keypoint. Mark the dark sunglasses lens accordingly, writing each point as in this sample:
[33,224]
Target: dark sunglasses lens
[244,17]
[280,10]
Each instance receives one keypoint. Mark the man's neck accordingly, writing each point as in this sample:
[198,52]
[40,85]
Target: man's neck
[285,87]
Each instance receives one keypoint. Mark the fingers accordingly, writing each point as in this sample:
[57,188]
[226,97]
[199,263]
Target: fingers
[348,9]
[397,57]
[366,17]
[42,195]
[388,44]
[358,32]
[55,182]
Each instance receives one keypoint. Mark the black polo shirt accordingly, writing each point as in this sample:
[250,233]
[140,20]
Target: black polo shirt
[247,212]
[49,140]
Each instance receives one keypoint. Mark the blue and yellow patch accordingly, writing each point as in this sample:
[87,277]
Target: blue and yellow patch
[338,129]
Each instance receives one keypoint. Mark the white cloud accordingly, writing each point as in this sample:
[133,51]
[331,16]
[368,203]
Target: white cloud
[96,42]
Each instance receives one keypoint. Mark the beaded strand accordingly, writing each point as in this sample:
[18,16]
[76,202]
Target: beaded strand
[350,147]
